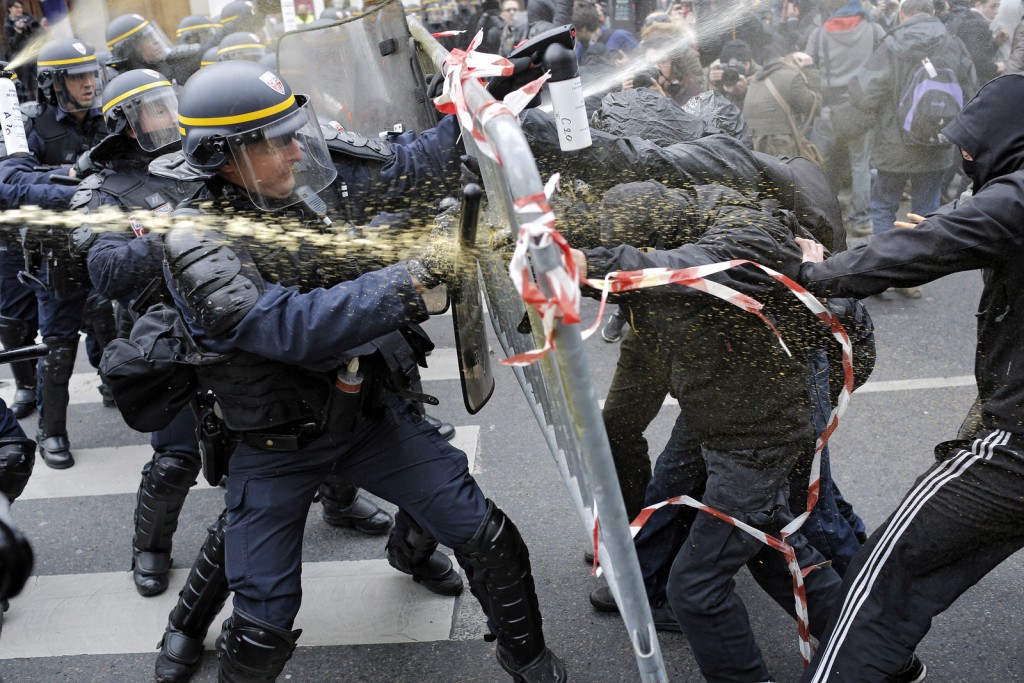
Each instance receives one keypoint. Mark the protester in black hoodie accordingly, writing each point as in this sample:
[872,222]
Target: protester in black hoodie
[963,516]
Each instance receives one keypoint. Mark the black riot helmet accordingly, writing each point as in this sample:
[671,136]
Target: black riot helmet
[241,119]
[69,75]
[197,30]
[209,57]
[241,45]
[240,15]
[136,42]
[143,101]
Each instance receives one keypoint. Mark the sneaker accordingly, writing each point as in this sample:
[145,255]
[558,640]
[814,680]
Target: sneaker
[910,292]
[612,330]
[914,671]
[664,620]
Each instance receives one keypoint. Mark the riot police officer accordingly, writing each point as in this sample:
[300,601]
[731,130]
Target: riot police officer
[63,124]
[140,112]
[240,15]
[286,325]
[241,45]
[198,30]
[137,43]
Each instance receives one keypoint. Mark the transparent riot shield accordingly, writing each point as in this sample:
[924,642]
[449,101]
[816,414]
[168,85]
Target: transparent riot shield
[558,388]
[361,72]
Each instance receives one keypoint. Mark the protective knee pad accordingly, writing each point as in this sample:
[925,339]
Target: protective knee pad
[253,651]
[17,457]
[206,588]
[497,565]
[166,480]
[409,545]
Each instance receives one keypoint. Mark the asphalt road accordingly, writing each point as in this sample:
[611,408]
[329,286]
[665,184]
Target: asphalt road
[884,442]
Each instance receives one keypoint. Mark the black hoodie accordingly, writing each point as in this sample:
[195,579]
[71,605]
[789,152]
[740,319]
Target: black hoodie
[985,233]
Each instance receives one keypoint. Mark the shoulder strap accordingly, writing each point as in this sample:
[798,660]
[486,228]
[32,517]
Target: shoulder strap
[785,107]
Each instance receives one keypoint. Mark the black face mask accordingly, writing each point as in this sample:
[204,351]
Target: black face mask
[969,168]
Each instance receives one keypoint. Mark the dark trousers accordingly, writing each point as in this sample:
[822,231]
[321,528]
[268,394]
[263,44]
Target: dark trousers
[962,517]
[398,457]
[17,300]
[753,487]
[179,436]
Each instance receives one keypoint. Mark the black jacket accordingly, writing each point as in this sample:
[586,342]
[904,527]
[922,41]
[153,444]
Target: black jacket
[736,386]
[984,233]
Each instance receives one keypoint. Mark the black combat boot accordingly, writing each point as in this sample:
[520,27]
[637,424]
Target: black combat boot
[15,333]
[253,651]
[56,368]
[445,429]
[166,480]
[344,507]
[497,566]
[413,551]
[17,459]
[199,603]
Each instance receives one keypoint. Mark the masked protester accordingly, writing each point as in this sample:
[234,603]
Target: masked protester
[961,518]
[294,331]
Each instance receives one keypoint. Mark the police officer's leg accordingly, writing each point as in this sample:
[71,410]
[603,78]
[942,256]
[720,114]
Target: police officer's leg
[412,550]
[60,317]
[199,603]
[404,460]
[19,322]
[166,479]
[344,507]
[268,498]
[100,329]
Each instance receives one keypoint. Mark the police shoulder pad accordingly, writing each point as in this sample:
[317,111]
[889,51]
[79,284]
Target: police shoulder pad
[31,110]
[174,167]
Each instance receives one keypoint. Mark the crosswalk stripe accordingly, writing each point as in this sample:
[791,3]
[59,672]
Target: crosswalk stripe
[106,471]
[84,387]
[344,603]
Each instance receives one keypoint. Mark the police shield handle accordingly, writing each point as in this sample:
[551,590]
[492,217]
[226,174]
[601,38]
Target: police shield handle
[10,110]
[567,98]
[915,218]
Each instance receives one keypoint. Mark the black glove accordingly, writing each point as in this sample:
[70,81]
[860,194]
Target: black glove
[83,165]
[524,71]
[434,85]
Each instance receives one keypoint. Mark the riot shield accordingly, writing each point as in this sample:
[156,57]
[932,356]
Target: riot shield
[559,388]
[360,71]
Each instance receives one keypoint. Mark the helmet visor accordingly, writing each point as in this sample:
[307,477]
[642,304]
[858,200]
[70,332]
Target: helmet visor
[153,116]
[79,89]
[284,161]
[148,45]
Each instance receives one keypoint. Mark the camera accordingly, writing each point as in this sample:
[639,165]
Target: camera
[732,71]
[645,78]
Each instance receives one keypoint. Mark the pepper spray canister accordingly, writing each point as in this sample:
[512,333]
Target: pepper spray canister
[10,117]
[567,98]
[350,380]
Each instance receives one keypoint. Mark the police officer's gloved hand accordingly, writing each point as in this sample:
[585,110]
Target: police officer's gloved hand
[524,71]
[434,85]
[436,262]
[83,166]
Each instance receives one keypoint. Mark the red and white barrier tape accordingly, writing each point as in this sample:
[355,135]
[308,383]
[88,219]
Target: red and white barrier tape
[462,65]
[562,304]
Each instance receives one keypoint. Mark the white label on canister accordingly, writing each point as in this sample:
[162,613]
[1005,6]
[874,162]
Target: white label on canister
[570,114]
[10,113]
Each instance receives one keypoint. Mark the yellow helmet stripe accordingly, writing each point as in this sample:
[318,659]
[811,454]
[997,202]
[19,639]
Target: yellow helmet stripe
[73,60]
[224,20]
[131,93]
[195,28]
[243,46]
[111,43]
[238,118]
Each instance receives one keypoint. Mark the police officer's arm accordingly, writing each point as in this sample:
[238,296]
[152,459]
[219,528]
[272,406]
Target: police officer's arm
[48,196]
[224,295]
[982,233]
[432,156]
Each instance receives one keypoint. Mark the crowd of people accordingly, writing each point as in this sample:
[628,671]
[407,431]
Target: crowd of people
[291,375]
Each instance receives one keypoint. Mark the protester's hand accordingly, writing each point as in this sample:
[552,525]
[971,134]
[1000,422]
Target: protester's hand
[1001,36]
[580,259]
[915,220]
[813,251]
[802,59]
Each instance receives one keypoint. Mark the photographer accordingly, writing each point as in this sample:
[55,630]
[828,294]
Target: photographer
[733,69]
[669,67]
[18,28]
